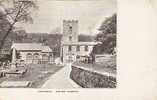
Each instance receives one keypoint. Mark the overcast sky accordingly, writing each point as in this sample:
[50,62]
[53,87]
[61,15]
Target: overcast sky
[89,13]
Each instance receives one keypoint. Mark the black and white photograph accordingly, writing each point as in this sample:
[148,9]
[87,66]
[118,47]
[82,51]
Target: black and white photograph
[50,44]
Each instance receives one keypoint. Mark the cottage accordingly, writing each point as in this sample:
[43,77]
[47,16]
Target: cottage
[32,53]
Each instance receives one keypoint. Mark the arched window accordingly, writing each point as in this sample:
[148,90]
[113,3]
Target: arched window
[45,58]
[29,58]
[36,58]
[50,58]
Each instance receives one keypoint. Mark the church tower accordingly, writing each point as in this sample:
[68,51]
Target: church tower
[70,31]
[71,49]
[69,36]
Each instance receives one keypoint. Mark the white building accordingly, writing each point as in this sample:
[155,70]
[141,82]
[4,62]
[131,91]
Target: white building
[35,53]
[71,48]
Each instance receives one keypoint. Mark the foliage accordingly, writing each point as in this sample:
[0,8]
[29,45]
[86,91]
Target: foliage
[107,36]
[16,11]
[4,25]
[85,38]
[109,25]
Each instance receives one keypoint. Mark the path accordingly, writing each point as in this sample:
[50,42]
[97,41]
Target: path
[61,79]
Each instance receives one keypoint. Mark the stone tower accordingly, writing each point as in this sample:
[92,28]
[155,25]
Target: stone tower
[70,31]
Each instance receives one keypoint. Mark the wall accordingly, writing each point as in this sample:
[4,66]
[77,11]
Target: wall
[89,79]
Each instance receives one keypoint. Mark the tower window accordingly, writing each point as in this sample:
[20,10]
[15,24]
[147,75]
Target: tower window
[70,38]
[70,29]
[70,48]
[86,48]
[78,48]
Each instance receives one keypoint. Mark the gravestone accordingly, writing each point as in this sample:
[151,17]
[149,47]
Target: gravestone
[13,65]
[15,84]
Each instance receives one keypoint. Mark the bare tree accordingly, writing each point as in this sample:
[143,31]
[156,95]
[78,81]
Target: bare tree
[16,11]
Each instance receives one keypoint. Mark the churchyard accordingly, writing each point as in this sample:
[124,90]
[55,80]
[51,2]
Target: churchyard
[36,75]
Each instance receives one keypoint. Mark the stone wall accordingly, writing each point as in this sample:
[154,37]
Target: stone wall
[90,79]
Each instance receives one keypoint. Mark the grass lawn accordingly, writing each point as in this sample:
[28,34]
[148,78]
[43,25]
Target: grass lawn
[37,74]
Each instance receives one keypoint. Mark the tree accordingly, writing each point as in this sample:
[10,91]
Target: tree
[4,25]
[20,35]
[18,11]
[85,38]
[107,36]
[109,25]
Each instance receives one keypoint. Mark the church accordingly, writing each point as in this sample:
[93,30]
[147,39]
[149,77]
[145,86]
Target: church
[71,48]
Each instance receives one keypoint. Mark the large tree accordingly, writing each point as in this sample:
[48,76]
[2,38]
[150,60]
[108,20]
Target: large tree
[4,25]
[15,11]
[109,25]
[107,36]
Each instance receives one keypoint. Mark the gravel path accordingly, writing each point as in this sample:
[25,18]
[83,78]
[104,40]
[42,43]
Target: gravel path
[61,79]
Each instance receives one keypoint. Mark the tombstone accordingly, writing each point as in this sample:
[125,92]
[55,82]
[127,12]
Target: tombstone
[15,84]
[13,65]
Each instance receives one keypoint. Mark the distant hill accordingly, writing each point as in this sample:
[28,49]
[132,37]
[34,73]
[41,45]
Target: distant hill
[86,38]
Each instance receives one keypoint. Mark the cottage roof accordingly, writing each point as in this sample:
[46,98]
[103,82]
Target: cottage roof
[82,43]
[31,46]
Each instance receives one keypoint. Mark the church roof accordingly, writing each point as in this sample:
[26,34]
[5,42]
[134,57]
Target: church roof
[31,46]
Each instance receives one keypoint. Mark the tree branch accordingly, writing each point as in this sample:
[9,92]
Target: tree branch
[19,12]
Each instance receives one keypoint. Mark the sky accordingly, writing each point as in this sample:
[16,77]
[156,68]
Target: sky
[90,15]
